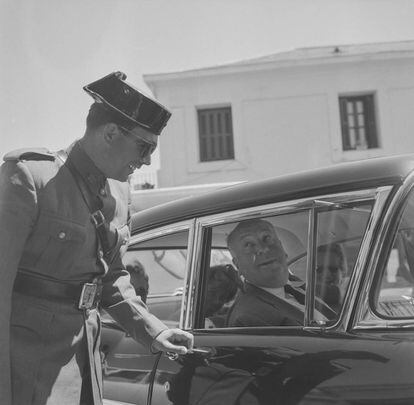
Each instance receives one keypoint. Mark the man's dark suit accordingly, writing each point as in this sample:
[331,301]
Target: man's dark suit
[257,307]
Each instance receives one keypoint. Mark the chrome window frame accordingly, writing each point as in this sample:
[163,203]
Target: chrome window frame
[376,194]
[365,318]
[310,275]
[166,230]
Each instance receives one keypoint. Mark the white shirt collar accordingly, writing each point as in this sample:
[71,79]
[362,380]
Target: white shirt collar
[279,291]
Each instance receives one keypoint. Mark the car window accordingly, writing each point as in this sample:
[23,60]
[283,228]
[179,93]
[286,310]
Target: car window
[238,273]
[256,271]
[339,231]
[395,295]
[163,260]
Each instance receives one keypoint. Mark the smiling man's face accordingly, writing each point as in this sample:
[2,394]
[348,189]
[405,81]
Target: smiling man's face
[259,254]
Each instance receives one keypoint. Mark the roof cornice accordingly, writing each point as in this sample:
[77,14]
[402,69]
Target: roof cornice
[326,55]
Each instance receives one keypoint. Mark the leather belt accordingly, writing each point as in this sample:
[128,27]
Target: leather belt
[82,295]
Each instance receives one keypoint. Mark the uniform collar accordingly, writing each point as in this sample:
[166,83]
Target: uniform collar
[93,177]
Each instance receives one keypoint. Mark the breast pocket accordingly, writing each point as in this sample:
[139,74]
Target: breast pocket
[55,245]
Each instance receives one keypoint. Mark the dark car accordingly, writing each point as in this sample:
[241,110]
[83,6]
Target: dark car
[361,351]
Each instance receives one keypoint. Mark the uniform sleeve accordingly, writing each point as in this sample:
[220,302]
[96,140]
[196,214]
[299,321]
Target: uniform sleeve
[121,302]
[118,296]
[18,210]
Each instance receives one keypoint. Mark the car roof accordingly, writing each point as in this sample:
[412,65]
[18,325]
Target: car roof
[338,178]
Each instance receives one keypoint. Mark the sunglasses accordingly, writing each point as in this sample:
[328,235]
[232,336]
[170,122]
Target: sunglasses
[146,148]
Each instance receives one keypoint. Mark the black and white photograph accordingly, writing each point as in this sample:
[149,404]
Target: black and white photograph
[207,202]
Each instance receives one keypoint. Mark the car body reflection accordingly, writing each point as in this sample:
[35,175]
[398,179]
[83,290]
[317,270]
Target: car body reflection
[361,353]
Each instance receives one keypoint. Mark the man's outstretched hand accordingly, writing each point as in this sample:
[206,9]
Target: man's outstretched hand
[173,340]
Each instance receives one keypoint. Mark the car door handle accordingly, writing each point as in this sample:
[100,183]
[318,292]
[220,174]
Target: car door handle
[172,356]
[195,350]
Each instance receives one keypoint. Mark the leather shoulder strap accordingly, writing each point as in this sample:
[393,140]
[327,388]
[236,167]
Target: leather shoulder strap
[97,217]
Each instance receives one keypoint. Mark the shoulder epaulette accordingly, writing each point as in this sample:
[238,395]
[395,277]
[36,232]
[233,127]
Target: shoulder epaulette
[29,154]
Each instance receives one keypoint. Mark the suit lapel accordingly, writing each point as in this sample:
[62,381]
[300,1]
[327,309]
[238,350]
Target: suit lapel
[290,312]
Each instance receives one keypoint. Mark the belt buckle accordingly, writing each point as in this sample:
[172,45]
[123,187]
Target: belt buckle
[88,294]
[98,218]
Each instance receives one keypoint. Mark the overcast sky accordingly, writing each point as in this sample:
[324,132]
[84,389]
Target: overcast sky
[51,48]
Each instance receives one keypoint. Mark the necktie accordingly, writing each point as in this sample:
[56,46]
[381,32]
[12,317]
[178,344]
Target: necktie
[297,294]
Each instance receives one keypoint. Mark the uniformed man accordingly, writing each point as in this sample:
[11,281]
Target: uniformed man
[64,220]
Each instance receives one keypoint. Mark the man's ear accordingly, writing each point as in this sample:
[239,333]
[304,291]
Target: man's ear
[110,132]
[234,260]
[241,271]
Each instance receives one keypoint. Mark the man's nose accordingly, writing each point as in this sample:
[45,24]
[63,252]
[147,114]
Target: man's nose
[262,248]
[146,160]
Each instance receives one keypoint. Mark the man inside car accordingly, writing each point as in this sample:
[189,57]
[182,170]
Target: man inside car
[272,295]
[268,297]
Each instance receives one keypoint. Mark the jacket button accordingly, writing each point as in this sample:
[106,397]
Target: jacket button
[100,254]
[62,235]
[102,192]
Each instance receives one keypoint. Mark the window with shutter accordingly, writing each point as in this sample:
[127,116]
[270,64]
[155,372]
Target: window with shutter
[358,123]
[215,129]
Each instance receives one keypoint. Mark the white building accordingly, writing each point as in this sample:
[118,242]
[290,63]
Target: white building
[286,112]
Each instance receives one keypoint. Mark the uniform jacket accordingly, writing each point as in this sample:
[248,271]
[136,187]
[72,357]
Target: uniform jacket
[46,231]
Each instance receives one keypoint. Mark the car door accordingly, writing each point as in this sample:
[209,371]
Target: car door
[385,317]
[278,363]
[128,367]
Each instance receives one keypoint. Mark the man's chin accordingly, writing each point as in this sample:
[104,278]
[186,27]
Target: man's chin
[122,177]
[278,282]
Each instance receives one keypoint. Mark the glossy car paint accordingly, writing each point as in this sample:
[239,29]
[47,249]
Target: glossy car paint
[353,362]
[335,179]
[318,367]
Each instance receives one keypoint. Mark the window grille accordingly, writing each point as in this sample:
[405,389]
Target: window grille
[215,130]
[358,122]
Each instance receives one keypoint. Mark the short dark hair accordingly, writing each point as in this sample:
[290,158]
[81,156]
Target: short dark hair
[98,115]
[226,278]
[142,289]
[223,284]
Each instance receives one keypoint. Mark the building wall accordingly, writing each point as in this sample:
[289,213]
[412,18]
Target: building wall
[284,120]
